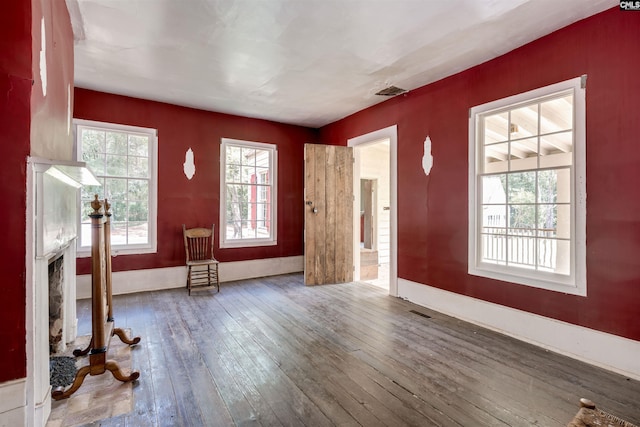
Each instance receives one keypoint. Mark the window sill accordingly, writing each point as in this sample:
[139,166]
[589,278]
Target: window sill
[552,282]
[86,253]
[247,244]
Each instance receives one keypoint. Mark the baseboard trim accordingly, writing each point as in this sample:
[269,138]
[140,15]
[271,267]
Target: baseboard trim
[126,282]
[605,350]
[13,403]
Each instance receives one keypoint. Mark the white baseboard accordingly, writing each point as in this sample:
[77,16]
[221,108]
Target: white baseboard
[13,403]
[588,345]
[126,282]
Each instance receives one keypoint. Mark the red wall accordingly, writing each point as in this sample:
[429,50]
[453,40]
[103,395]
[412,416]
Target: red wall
[51,135]
[15,90]
[432,223]
[22,100]
[196,202]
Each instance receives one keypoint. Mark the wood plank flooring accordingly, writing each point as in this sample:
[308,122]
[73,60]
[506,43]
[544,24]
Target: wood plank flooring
[272,352]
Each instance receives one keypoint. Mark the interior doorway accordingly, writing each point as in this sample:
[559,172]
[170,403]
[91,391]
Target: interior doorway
[374,181]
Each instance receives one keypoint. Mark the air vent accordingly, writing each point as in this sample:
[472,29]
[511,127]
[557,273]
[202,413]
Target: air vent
[420,314]
[391,91]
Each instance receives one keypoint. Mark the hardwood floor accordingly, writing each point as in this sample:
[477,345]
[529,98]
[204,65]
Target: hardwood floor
[273,352]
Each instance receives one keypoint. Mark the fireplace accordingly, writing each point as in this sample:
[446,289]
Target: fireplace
[52,189]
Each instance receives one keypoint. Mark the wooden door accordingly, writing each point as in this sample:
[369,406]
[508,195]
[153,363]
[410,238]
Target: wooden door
[328,219]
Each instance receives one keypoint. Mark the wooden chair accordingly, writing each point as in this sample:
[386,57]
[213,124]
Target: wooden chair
[198,246]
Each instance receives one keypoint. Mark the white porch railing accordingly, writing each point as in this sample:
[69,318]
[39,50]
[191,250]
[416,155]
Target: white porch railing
[520,246]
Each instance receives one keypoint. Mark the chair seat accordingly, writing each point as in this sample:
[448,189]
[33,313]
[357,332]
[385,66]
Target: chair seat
[203,262]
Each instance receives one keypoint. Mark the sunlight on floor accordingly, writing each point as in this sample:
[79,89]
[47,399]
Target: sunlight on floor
[383,277]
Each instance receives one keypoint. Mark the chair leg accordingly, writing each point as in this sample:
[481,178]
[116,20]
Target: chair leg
[217,279]
[208,275]
[189,280]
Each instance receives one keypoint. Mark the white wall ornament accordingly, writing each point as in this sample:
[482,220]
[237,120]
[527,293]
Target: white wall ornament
[189,165]
[427,158]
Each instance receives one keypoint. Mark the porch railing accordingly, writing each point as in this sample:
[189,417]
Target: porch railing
[522,246]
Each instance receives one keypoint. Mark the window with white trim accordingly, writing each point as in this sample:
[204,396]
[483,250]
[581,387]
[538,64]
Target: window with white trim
[248,193]
[124,160]
[527,188]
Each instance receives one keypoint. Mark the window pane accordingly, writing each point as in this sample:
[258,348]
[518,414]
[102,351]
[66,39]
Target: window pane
[115,189]
[139,145]
[563,257]
[93,141]
[116,143]
[118,232]
[233,230]
[494,248]
[248,156]
[85,234]
[233,155]
[139,190]
[547,220]
[522,187]
[494,216]
[496,158]
[263,175]
[524,122]
[138,232]
[554,186]
[496,128]
[554,221]
[524,154]
[556,115]
[248,232]
[524,148]
[248,174]
[522,219]
[556,150]
[232,173]
[137,211]
[262,158]
[522,248]
[493,189]
[139,167]
[116,165]
[88,192]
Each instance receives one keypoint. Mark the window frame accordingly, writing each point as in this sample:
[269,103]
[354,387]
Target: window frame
[273,174]
[575,282]
[127,249]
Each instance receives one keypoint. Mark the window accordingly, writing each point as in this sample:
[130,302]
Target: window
[124,160]
[248,183]
[527,188]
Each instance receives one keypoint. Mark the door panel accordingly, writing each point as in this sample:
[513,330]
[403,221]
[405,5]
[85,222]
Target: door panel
[328,214]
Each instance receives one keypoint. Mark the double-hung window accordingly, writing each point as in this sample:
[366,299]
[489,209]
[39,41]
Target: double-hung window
[124,160]
[248,182]
[527,188]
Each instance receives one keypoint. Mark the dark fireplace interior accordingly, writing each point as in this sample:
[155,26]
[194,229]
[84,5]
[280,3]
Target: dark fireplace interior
[56,279]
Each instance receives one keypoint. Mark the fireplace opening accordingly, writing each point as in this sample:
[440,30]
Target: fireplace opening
[56,305]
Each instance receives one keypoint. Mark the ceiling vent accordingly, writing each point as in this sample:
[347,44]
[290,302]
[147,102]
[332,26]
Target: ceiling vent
[391,91]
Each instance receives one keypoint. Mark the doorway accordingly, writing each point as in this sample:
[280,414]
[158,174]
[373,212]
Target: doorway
[374,182]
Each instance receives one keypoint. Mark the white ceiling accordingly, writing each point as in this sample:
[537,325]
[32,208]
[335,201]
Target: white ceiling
[305,62]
